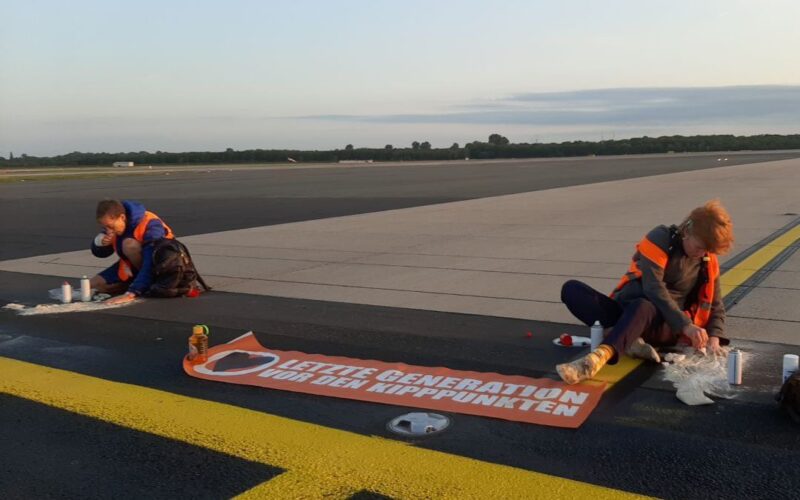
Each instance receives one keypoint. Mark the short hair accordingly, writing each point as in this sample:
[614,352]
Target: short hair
[712,224]
[111,208]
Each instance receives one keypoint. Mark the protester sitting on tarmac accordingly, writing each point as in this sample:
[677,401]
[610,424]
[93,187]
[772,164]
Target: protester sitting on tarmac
[130,231]
[670,295]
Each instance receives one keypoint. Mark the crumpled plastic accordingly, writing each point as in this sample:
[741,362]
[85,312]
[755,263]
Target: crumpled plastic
[698,377]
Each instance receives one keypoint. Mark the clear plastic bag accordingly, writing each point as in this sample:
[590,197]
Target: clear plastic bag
[697,376]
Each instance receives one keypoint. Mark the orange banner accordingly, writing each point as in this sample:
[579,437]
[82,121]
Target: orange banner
[523,399]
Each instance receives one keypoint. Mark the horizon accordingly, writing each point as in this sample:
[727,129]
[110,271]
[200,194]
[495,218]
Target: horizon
[396,146]
[203,76]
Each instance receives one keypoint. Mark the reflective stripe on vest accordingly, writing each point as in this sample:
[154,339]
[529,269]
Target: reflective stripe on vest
[651,252]
[705,293]
[125,268]
[700,312]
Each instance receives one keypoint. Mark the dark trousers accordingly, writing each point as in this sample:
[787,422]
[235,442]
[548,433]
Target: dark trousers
[639,318]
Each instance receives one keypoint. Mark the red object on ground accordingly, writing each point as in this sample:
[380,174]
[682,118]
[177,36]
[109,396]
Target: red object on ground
[528,335]
[566,339]
[194,292]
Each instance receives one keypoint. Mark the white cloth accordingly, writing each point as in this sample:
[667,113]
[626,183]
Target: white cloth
[98,240]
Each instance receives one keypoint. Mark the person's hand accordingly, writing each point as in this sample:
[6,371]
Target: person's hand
[121,299]
[103,239]
[697,335]
[713,346]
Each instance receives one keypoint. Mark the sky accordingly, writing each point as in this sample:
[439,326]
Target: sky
[201,75]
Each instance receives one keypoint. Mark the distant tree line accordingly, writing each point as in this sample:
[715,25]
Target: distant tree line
[496,146]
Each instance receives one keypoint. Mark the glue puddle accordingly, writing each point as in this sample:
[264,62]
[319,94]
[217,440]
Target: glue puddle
[62,308]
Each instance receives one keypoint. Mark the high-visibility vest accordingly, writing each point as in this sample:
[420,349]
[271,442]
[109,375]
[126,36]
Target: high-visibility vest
[124,270]
[700,310]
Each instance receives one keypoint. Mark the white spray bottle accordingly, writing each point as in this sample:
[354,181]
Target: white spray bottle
[596,334]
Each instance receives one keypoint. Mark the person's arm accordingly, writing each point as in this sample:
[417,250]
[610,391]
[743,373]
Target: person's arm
[655,290]
[144,277]
[154,232]
[653,287]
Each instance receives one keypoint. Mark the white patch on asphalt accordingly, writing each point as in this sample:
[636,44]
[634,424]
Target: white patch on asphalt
[63,308]
[696,377]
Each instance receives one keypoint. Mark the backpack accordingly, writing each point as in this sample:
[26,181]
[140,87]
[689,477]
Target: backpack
[173,271]
[789,397]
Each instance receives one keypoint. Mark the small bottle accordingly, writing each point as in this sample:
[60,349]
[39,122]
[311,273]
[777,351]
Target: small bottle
[198,344]
[86,289]
[735,367]
[596,334]
[791,363]
[66,293]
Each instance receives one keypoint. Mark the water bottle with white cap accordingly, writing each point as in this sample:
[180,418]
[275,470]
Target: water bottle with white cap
[86,289]
[66,292]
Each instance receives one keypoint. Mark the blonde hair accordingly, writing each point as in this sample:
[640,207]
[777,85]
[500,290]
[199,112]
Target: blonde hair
[712,224]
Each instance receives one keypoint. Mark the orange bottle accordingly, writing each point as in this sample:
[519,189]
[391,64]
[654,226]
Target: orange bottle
[198,344]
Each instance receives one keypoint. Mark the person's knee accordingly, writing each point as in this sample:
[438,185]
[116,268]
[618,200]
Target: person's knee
[568,289]
[642,305]
[98,282]
[131,248]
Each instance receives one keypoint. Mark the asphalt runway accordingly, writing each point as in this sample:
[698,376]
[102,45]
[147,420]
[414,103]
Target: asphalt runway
[638,439]
[56,216]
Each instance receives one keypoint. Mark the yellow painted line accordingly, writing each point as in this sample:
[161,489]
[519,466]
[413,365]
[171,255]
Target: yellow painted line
[321,462]
[732,278]
[752,264]
[293,484]
[611,374]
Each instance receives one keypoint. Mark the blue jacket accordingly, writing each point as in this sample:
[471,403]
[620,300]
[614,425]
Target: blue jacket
[155,231]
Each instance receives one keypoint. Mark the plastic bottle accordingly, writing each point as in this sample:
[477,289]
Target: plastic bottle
[596,334]
[735,367]
[66,293]
[86,289]
[198,344]
[791,363]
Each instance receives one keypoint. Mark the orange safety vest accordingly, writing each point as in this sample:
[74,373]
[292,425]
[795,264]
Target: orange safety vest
[700,311]
[124,269]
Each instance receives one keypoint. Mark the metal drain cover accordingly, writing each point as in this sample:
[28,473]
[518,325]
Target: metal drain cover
[418,424]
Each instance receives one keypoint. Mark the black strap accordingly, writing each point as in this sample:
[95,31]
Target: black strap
[674,239]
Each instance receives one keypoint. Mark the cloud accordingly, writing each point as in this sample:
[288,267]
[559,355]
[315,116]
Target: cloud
[622,107]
